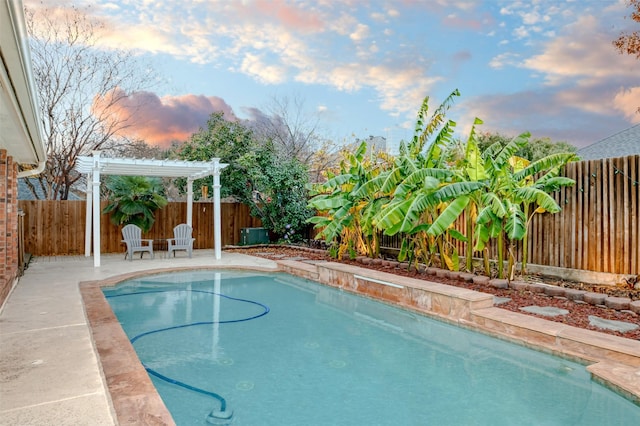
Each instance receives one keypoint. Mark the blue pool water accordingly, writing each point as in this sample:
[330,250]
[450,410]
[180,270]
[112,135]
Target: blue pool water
[273,349]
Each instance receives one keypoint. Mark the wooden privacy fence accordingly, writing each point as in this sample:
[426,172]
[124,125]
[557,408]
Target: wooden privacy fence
[598,228]
[58,227]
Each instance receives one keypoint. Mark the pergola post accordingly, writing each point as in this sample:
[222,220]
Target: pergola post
[217,229]
[96,208]
[88,213]
[190,202]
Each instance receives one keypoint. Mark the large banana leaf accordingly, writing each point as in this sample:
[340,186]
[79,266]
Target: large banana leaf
[494,203]
[454,190]
[515,222]
[329,202]
[549,162]
[474,163]
[542,199]
[511,148]
[448,216]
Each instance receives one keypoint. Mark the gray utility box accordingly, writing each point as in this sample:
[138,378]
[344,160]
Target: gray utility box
[249,236]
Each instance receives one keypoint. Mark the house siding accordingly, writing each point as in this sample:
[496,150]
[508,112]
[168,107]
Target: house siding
[8,224]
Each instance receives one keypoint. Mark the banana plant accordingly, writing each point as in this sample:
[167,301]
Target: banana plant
[347,202]
[538,190]
[420,184]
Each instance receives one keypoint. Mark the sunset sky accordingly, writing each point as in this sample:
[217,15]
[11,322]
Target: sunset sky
[546,66]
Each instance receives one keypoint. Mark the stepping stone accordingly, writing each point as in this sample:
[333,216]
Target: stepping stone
[294,258]
[635,306]
[620,326]
[499,283]
[617,303]
[500,300]
[547,311]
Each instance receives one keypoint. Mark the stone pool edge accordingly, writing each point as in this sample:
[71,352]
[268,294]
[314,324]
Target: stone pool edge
[611,360]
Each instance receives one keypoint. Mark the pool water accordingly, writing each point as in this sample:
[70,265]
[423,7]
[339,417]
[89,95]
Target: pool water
[280,350]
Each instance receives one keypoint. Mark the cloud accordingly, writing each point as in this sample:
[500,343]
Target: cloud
[588,91]
[253,65]
[162,120]
[628,102]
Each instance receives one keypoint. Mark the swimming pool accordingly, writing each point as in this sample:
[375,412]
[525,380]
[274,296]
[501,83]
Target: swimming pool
[282,350]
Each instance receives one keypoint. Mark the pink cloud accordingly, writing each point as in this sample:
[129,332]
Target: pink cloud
[289,15]
[160,121]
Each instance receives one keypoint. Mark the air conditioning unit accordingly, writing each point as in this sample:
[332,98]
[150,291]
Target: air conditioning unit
[250,236]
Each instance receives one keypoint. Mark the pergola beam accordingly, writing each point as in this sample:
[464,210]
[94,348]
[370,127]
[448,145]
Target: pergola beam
[95,166]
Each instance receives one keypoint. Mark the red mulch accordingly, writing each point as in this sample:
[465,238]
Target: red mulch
[578,315]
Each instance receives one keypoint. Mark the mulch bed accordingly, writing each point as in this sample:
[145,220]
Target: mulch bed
[578,315]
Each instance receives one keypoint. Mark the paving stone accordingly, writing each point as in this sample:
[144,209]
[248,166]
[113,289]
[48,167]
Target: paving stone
[548,311]
[466,276]
[573,294]
[500,300]
[621,326]
[635,306]
[480,279]
[499,283]
[519,285]
[617,303]
[594,298]
[553,290]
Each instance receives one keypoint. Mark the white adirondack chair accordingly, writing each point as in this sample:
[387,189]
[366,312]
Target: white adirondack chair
[132,237]
[181,240]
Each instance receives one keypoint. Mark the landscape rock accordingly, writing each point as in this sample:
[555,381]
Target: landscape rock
[499,283]
[594,298]
[617,303]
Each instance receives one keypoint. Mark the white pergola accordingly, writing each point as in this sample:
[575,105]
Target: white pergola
[95,165]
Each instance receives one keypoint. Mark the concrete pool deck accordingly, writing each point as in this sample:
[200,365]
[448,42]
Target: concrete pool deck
[55,369]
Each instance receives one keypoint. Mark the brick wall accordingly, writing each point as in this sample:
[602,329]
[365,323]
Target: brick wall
[8,224]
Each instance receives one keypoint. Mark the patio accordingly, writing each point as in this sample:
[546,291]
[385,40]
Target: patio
[49,371]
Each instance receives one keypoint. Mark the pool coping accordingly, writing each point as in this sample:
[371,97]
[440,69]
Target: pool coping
[612,361]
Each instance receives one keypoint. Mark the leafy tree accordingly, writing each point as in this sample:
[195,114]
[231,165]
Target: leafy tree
[227,140]
[79,87]
[271,184]
[275,190]
[533,150]
[134,199]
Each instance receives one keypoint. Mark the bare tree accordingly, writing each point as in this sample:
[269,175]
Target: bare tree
[80,88]
[296,133]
